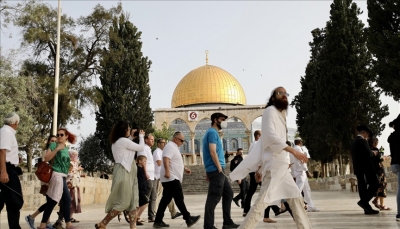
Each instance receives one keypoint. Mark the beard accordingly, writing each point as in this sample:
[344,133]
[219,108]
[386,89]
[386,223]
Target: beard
[281,104]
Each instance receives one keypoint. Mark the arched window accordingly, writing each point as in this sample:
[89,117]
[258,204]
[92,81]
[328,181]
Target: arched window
[196,146]
[184,148]
[234,144]
[224,145]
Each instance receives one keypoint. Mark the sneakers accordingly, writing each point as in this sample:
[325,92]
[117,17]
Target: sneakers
[176,215]
[233,225]
[49,226]
[192,220]
[58,225]
[30,221]
[313,209]
[160,224]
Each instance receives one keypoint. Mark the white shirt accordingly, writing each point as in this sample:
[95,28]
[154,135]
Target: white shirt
[251,147]
[149,162]
[8,141]
[124,149]
[298,166]
[157,156]
[176,167]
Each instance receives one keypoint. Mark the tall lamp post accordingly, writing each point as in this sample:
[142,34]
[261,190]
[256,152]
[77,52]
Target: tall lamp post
[57,73]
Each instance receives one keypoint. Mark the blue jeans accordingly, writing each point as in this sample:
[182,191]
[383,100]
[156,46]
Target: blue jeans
[396,170]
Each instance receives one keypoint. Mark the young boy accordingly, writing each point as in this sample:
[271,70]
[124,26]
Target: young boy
[142,183]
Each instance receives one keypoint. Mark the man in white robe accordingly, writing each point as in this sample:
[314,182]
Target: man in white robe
[277,183]
[299,172]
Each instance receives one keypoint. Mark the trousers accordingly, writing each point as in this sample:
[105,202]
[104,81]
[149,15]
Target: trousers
[11,196]
[296,204]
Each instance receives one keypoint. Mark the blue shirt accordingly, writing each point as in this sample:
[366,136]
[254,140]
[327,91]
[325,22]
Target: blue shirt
[212,137]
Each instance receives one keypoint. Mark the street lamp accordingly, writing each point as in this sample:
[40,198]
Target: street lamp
[57,73]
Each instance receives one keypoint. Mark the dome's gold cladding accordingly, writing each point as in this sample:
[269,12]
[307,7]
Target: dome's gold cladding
[208,84]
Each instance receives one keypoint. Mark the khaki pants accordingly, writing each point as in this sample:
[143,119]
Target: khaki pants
[171,205]
[256,211]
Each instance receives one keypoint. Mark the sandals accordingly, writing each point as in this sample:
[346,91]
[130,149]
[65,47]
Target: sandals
[383,207]
[375,202]
[74,220]
[99,227]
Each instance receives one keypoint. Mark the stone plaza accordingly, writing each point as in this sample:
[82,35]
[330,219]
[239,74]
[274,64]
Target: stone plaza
[338,211]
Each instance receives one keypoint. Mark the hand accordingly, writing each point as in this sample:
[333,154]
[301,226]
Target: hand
[258,177]
[167,175]
[133,133]
[300,156]
[141,132]
[220,169]
[188,171]
[60,146]
[80,168]
[4,177]
[239,182]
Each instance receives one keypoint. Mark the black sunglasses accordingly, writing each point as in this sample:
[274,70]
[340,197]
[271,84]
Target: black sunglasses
[60,135]
[180,139]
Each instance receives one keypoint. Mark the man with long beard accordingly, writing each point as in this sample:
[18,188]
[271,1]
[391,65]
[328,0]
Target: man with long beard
[271,148]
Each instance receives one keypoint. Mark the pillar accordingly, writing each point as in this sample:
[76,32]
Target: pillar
[248,133]
[194,159]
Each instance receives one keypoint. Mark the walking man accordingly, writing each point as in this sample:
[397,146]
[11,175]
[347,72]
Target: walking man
[219,186]
[10,186]
[242,183]
[171,176]
[364,168]
[157,157]
[271,149]
[300,173]
[253,184]
[149,171]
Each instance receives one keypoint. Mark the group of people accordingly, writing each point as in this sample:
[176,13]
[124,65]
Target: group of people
[72,180]
[139,176]
[63,187]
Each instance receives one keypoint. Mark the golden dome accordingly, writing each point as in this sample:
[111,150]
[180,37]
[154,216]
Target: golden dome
[207,85]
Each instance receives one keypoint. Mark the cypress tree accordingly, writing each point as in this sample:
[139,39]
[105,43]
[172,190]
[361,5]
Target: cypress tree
[124,77]
[384,44]
[338,83]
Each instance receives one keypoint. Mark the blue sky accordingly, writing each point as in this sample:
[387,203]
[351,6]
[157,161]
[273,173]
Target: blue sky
[263,44]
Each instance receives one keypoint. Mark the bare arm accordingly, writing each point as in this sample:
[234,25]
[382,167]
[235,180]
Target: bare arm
[214,156]
[166,166]
[159,162]
[300,156]
[3,169]
[50,154]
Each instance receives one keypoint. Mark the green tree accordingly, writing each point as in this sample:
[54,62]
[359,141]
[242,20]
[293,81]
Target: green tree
[337,93]
[166,133]
[309,126]
[8,12]
[81,43]
[124,78]
[384,44]
[18,94]
[92,156]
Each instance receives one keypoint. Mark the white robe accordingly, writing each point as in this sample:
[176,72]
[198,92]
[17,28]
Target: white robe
[269,151]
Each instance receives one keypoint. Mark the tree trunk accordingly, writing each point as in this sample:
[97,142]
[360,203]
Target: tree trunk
[28,150]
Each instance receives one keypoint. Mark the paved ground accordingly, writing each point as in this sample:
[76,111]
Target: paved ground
[338,210]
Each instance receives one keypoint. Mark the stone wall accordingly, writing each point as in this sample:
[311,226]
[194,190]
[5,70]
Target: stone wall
[93,191]
[96,191]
